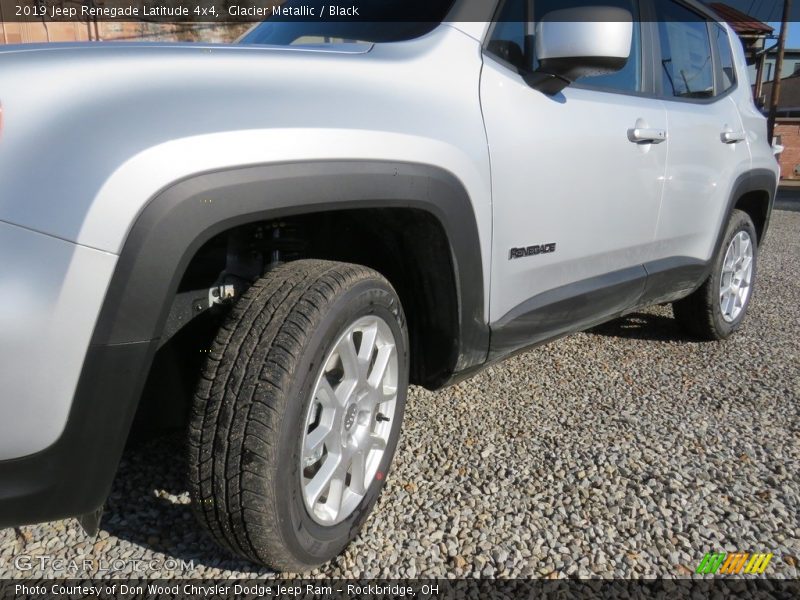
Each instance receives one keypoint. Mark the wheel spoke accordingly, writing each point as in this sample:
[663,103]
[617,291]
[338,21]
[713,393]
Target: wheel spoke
[358,473]
[335,397]
[368,337]
[730,303]
[726,280]
[381,395]
[747,263]
[333,503]
[387,394]
[744,246]
[730,260]
[320,482]
[385,355]
[376,442]
[742,295]
[325,394]
[345,390]
[317,438]
[347,353]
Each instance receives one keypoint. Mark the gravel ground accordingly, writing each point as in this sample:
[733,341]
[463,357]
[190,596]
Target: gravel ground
[626,451]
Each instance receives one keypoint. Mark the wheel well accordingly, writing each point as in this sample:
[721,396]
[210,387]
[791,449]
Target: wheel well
[407,246]
[756,205]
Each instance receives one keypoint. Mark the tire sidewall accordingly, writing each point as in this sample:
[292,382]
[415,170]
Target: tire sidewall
[739,222]
[308,541]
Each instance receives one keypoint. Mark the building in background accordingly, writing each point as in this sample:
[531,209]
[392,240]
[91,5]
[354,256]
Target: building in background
[36,32]
[791,63]
[787,124]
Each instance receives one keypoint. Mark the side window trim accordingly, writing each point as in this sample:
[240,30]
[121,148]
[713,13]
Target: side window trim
[650,48]
[716,62]
[715,30]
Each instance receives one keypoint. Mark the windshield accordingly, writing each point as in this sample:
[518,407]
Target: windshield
[378,21]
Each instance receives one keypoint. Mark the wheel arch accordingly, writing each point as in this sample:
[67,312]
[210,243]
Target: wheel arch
[757,204]
[74,475]
[179,220]
[754,193]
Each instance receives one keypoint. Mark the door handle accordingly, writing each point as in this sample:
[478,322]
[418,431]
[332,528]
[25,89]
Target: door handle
[733,137]
[647,135]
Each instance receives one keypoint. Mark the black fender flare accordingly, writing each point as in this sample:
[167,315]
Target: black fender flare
[757,180]
[74,475]
[180,219]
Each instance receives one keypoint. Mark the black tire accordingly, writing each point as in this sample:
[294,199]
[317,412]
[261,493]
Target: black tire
[700,314]
[249,411]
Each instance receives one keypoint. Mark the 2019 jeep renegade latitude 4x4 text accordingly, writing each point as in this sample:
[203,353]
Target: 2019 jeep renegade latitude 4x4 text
[333,212]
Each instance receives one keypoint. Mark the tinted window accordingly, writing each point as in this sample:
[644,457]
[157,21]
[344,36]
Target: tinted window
[293,33]
[508,40]
[687,67]
[285,31]
[728,72]
[508,37]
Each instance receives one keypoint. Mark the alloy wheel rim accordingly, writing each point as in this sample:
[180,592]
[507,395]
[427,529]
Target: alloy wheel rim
[736,280]
[349,420]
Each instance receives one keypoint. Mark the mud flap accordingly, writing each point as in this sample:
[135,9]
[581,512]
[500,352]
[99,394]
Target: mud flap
[91,521]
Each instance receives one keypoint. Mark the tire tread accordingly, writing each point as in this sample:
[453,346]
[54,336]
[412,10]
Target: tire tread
[242,396]
[697,313]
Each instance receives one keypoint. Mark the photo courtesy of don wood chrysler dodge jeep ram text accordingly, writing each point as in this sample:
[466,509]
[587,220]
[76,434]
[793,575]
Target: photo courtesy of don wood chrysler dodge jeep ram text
[341,210]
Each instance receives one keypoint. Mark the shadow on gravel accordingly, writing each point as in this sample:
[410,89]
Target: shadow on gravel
[788,199]
[642,326]
[149,507]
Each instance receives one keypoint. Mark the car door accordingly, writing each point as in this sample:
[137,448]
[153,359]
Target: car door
[575,194]
[708,147]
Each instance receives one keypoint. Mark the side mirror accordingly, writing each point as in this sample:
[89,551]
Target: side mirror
[580,42]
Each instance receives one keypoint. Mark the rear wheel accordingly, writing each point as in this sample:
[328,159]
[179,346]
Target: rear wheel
[718,307]
[298,414]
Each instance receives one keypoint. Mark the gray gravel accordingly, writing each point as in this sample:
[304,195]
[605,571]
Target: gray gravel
[627,451]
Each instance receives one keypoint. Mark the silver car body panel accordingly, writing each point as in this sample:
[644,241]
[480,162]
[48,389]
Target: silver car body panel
[93,132]
[50,295]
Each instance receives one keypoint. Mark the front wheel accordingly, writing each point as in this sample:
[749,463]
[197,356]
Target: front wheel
[718,307]
[298,414]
